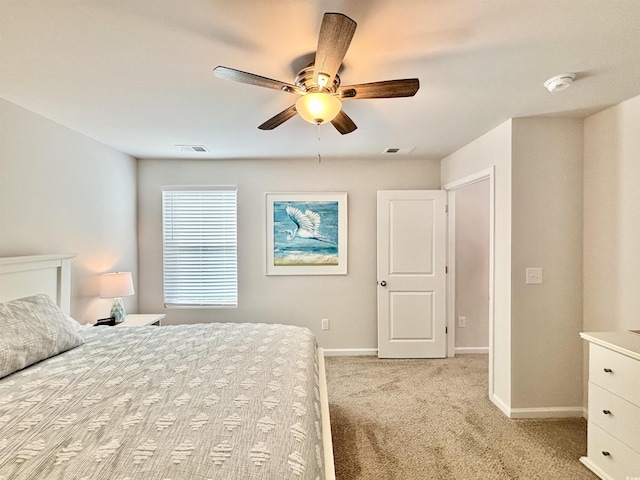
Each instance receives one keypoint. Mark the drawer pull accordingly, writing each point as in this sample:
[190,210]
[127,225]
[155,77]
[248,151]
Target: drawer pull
[608,370]
[606,454]
[606,412]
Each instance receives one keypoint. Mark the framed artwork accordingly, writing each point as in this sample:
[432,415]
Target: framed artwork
[306,233]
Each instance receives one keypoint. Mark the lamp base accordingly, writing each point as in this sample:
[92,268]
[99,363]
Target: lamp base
[117,310]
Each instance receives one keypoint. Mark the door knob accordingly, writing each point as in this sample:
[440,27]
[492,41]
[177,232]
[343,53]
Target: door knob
[383,283]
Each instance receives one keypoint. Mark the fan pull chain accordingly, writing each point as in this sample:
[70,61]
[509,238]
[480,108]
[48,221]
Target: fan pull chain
[319,156]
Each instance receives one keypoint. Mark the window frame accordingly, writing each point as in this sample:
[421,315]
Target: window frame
[226,242]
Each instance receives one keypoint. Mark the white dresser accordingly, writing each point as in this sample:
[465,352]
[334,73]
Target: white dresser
[613,438]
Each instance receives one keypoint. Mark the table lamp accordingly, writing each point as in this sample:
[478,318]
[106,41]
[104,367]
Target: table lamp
[116,285]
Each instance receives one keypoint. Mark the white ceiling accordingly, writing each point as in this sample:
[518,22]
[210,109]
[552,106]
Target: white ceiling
[137,74]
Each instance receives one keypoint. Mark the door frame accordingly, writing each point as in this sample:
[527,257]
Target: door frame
[451,188]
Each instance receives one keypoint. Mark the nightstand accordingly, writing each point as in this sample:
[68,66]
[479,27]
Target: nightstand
[142,320]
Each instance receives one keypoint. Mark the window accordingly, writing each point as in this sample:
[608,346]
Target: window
[199,246]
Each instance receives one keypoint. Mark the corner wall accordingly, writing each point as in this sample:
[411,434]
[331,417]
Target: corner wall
[546,319]
[612,218]
[348,301]
[493,149]
[537,355]
[62,192]
[611,222]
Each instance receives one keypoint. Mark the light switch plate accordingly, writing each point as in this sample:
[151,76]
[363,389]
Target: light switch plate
[534,275]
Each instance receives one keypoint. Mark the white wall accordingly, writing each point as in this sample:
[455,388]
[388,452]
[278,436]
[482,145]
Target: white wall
[546,319]
[493,149]
[537,355]
[611,221]
[472,266]
[612,218]
[62,192]
[349,302]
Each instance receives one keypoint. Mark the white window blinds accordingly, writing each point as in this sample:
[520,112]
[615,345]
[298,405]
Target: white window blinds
[199,231]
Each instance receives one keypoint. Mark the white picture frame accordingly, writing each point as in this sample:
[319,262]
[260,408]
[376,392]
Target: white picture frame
[306,233]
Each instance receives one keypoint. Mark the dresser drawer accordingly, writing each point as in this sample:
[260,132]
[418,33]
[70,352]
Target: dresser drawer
[615,415]
[619,461]
[615,372]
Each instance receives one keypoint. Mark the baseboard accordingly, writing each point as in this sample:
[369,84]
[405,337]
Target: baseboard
[471,350]
[497,401]
[547,412]
[538,412]
[350,352]
[596,469]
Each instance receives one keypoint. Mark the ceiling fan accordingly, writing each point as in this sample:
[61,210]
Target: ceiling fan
[318,84]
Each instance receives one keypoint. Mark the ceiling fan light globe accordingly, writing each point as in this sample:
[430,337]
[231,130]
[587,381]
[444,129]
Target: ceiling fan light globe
[318,107]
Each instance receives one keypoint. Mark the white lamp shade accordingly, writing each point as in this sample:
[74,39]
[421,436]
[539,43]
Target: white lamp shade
[318,107]
[118,284]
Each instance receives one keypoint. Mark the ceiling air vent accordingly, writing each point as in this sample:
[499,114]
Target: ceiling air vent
[193,148]
[404,151]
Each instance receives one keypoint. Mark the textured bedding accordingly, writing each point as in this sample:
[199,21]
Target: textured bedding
[206,401]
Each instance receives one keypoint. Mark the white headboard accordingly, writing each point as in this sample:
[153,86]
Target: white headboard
[32,274]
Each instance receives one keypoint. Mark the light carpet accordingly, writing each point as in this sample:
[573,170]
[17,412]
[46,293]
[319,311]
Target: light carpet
[432,419]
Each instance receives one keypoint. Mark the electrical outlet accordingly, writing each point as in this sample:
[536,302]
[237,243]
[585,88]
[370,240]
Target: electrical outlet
[462,322]
[534,276]
[325,324]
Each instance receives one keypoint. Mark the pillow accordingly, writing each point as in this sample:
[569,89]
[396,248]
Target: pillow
[33,329]
[73,322]
[77,326]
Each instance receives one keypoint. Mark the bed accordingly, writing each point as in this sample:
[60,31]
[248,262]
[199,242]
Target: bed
[205,401]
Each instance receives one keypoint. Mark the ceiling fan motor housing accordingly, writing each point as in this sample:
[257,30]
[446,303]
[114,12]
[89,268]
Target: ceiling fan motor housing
[304,80]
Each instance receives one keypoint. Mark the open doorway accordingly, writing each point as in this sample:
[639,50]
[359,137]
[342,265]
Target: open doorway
[470,261]
[472,268]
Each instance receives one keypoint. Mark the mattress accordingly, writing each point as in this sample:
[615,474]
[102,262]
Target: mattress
[206,401]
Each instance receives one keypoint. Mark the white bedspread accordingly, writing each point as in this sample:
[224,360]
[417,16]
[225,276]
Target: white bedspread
[206,401]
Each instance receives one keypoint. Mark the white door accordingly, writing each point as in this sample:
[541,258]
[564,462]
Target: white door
[411,274]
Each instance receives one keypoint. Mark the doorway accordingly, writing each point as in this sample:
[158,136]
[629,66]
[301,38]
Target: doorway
[471,266]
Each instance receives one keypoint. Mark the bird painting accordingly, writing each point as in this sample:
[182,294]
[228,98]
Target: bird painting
[307,225]
[306,234]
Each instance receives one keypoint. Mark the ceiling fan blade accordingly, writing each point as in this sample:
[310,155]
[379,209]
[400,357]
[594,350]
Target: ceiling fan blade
[343,123]
[279,119]
[227,73]
[335,36]
[387,89]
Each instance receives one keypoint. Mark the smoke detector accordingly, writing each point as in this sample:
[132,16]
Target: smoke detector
[559,82]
